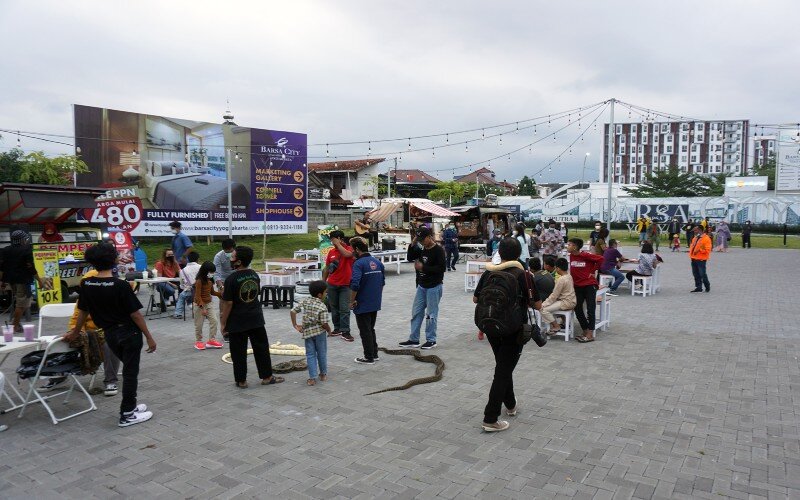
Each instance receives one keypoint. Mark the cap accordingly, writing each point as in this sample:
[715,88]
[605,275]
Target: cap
[423,232]
[497,231]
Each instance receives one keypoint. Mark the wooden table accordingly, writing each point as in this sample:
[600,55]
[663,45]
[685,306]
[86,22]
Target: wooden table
[391,257]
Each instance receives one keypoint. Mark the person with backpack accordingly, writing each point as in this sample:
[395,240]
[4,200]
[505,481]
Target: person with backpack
[583,267]
[502,297]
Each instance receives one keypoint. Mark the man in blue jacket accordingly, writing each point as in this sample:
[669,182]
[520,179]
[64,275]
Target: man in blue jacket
[366,291]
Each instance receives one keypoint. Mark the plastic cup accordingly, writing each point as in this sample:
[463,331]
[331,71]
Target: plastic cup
[145,275]
[29,331]
[8,333]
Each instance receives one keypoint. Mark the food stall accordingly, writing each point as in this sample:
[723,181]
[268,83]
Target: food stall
[417,212]
[476,223]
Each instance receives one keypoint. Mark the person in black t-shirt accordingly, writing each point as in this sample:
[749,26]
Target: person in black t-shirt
[17,269]
[243,320]
[506,349]
[429,262]
[114,308]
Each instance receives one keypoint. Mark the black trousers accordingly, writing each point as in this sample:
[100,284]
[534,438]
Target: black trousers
[746,241]
[451,257]
[260,344]
[586,295]
[506,355]
[126,343]
[366,329]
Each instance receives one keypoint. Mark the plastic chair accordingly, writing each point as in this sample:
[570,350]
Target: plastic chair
[642,285]
[53,311]
[566,331]
[471,281]
[43,372]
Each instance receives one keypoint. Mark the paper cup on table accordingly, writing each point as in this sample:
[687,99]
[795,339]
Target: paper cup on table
[145,275]
[8,333]
[28,329]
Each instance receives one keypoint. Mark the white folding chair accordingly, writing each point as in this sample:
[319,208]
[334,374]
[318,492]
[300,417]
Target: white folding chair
[43,372]
[53,311]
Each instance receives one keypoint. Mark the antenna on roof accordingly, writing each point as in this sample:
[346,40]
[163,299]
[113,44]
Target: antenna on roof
[228,116]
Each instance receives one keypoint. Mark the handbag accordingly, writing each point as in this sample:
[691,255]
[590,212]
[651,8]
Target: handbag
[530,330]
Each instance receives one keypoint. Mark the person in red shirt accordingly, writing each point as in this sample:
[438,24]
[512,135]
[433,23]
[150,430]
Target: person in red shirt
[583,267]
[337,274]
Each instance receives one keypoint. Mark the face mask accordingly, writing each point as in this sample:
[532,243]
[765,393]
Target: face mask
[514,233]
[228,255]
[597,227]
[562,226]
[174,231]
[170,257]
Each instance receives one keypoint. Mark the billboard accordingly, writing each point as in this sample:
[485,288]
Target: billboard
[157,169]
[787,176]
[664,212]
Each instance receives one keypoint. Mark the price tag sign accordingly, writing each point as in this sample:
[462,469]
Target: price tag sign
[122,213]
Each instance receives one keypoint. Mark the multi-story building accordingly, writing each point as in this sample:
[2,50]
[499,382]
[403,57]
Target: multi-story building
[700,147]
[763,148]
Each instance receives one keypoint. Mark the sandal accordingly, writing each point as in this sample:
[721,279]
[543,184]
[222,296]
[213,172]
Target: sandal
[584,340]
[323,377]
[553,333]
[241,385]
[272,380]
[311,381]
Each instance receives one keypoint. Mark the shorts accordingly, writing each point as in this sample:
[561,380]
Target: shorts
[22,294]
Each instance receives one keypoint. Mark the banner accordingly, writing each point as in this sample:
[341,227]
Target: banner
[325,244]
[158,169]
[126,260]
[61,266]
[787,175]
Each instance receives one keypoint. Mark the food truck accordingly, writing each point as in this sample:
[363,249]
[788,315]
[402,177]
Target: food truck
[416,213]
[475,223]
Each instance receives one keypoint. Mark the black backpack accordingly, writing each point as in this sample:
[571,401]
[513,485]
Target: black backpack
[498,311]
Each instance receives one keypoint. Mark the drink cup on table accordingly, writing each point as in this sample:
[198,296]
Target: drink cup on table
[28,329]
[8,333]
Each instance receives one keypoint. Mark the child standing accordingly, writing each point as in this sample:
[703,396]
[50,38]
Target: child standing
[676,242]
[203,290]
[313,329]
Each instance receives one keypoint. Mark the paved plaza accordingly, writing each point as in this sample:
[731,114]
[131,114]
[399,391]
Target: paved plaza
[688,395]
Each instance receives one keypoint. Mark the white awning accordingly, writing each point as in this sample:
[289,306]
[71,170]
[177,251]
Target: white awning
[434,209]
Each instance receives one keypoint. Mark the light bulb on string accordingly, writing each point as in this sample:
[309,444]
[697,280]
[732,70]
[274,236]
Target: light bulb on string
[483,134]
[369,148]
[509,158]
[409,143]
[534,130]
[434,153]
[327,150]
[501,139]
[517,126]
[466,147]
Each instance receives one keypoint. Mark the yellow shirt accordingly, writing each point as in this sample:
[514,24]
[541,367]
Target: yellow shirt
[88,324]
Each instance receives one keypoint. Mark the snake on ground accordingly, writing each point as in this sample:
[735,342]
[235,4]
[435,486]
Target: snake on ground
[430,358]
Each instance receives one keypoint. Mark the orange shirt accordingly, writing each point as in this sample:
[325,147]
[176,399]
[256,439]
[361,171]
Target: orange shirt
[700,248]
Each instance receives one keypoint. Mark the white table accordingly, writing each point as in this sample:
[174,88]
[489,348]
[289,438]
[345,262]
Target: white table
[290,264]
[151,284]
[476,266]
[391,257]
[6,349]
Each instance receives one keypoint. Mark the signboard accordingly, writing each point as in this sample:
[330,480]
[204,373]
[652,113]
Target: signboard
[746,184]
[561,218]
[126,260]
[663,213]
[325,244]
[158,169]
[787,175]
[45,260]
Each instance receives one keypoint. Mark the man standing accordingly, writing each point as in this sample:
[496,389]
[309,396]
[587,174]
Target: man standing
[654,234]
[366,291]
[181,244]
[673,228]
[187,276]
[337,274]
[491,245]
[429,263]
[16,266]
[243,320]
[641,228]
[450,238]
[551,240]
[582,267]
[699,252]
[594,235]
[689,228]
[747,228]
[222,261]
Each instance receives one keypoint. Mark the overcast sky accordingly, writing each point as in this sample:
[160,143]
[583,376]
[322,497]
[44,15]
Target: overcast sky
[367,70]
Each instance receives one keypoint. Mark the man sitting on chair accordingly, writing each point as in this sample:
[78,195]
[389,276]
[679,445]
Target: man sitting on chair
[366,228]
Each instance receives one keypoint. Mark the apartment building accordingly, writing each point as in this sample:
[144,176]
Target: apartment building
[701,147]
[763,147]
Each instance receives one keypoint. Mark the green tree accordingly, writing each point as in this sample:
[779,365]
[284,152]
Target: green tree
[377,186]
[36,168]
[526,187]
[448,190]
[767,169]
[673,182]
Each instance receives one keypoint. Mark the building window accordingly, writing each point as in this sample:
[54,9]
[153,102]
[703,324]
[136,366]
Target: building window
[684,137]
[684,126]
[718,147]
[644,128]
[622,139]
[669,138]
[655,138]
[633,128]
[641,149]
[719,158]
[655,150]
[618,170]
[683,157]
[694,148]
[622,149]
[699,138]
[664,128]
[644,138]
[619,129]
[718,169]
[700,126]
[663,159]
[694,158]
[698,168]
[771,144]
[619,160]
[713,126]
[669,149]
[683,148]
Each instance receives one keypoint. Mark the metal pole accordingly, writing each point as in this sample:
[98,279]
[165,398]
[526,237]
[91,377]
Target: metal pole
[611,138]
[230,189]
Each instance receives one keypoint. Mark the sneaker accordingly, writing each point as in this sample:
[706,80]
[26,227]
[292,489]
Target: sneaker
[334,333]
[51,384]
[696,290]
[347,337]
[498,426]
[213,344]
[428,345]
[612,293]
[200,346]
[178,316]
[226,338]
[365,361]
[111,390]
[3,427]
[376,359]
[140,408]
[408,343]
[134,417]
[512,412]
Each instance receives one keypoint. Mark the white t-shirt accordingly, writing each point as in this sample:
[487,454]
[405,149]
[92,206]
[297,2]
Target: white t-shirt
[524,239]
[189,274]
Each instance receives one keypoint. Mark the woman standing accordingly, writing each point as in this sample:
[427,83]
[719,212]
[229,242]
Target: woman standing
[600,243]
[723,236]
[519,234]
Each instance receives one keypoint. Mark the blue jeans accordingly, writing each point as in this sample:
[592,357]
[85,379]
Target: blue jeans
[166,290]
[184,297]
[317,355]
[339,300]
[425,298]
[618,278]
[700,276]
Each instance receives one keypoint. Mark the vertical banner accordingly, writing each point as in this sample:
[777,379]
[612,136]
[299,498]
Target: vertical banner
[325,244]
[45,259]
[124,243]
